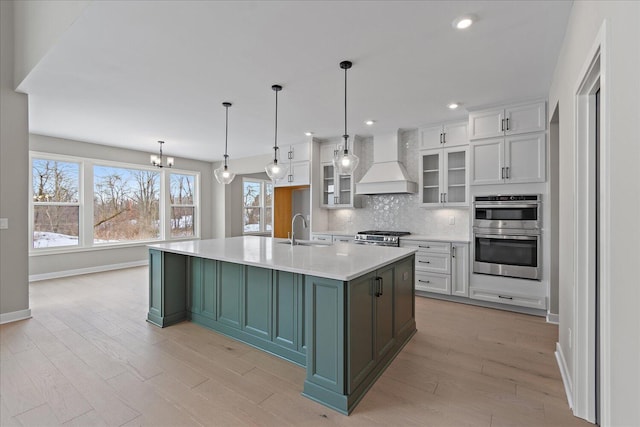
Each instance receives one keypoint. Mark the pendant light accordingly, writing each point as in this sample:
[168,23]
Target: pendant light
[223,174]
[157,160]
[344,162]
[275,170]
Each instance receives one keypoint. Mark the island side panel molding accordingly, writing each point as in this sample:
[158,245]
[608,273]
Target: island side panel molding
[202,287]
[167,288]
[230,294]
[285,309]
[404,295]
[325,328]
[384,327]
[257,303]
[361,332]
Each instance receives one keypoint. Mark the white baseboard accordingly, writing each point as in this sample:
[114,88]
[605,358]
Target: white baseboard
[88,270]
[553,318]
[14,316]
[564,372]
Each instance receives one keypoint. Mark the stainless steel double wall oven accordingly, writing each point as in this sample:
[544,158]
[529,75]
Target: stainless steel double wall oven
[507,235]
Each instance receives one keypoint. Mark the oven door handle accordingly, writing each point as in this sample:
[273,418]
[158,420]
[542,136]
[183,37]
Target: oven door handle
[506,205]
[507,237]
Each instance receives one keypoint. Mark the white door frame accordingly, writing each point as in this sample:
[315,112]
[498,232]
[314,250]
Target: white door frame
[593,76]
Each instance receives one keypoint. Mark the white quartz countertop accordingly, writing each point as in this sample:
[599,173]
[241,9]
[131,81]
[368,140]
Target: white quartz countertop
[340,261]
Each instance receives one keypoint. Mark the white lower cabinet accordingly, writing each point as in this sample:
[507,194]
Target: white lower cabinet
[441,267]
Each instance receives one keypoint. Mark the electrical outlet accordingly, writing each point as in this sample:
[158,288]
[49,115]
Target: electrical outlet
[4,223]
[452,220]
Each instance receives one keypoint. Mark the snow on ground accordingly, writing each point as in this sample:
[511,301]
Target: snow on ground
[46,239]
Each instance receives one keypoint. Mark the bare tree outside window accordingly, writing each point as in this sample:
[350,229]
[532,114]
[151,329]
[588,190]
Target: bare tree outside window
[126,204]
[183,207]
[257,212]
[56,210]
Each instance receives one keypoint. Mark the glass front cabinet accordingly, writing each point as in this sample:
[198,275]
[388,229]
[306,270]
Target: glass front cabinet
[337,189]
[444,177]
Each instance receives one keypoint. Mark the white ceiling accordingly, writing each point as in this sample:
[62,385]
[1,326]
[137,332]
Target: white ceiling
[130,73]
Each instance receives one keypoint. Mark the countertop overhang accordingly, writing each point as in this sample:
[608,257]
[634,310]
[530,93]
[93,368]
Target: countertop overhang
[340,261]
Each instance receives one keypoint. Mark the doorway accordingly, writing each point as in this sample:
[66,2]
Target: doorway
[591,245]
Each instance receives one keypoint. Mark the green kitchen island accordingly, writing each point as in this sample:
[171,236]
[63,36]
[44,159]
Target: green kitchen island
[343,311]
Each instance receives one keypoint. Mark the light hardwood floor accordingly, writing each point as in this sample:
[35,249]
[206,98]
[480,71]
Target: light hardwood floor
[87,357]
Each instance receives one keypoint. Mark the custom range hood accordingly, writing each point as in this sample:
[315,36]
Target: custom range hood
[387,175]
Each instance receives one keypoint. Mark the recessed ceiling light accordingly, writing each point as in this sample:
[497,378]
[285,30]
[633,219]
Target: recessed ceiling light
[369,122]
[308,133]
[463,22]
[453,105]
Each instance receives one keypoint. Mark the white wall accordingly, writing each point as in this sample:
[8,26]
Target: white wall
[14,192]
[226,202]
[42,265]
[39,25]
[623,87]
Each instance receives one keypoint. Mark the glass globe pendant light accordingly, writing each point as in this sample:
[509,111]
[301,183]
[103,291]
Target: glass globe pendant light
[344,162]
[223,174]
[275,170]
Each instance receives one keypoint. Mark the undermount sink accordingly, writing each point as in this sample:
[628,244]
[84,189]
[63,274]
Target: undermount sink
[305,243]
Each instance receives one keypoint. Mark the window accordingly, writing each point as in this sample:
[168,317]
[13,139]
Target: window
[131,203]
[183,208]
[126,204]
[257,212]
[56,203]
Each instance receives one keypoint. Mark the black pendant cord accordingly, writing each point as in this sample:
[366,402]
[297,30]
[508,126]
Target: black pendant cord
[276,88]
[226,106]
[226,134]
[345,136]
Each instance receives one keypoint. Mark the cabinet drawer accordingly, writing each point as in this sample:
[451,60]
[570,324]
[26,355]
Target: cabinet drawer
[433,262]
[427,246]
[343,239]
[438,283]
[507,298]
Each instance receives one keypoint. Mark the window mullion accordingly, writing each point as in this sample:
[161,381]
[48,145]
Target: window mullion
[86,203]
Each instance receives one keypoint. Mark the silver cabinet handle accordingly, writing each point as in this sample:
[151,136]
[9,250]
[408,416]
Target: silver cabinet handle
[453,252]
[426,247]
[440,137]
[502,174]
[502,125]
[444,198]
[503,297]
[508,123]
[424,281]
[425,262]
[507,168]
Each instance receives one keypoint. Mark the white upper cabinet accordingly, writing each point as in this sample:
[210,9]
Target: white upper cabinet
[511,120]
[298,152]
[442,136]
[510,160]
[443,180]
[337,190]
[298,158]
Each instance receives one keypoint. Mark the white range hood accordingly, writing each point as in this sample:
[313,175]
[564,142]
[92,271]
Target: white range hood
[387,175]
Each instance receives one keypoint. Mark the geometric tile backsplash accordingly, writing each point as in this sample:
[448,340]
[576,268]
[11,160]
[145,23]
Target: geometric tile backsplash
[400,212]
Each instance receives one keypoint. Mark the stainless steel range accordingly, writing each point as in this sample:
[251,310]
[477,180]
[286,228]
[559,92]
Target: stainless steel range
[379,238]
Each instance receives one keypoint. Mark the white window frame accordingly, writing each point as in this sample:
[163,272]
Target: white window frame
[86,192]
[195,204]
[79,203]
[263,231]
